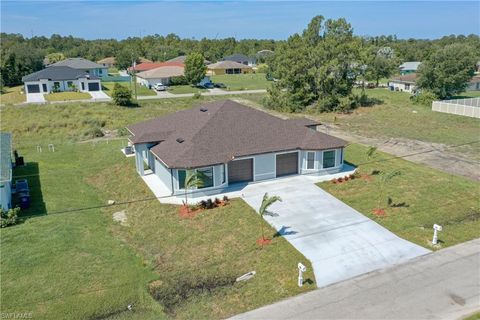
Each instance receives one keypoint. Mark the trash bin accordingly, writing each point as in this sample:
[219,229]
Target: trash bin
[24,200]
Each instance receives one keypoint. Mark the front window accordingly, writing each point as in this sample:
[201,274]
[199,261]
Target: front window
[329,159]
[182,174]
[407,86]
[310,160]
[208,179]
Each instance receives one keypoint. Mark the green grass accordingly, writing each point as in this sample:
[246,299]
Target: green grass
[113,71]
[431,197]
[185,89]
[65,96]
[107,87]
[397,117]
[81,264]
[475,316]
[12,95]
[249,81]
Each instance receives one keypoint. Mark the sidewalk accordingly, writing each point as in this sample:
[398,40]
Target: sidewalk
[441,285]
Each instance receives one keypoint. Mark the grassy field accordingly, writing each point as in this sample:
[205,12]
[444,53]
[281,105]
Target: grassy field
[107,87]
[242,81]
[185,89]
[429,197]
[65,96]
[78,263]
[12,95]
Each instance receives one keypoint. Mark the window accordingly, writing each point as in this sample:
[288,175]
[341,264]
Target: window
[407,86]
[83,85]
[182,174]
[208,182]
[222,173]
[329,159]
[310,160]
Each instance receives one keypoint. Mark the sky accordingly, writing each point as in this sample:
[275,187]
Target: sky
[239,19]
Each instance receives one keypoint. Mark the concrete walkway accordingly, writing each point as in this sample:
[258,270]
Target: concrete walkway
[440,285]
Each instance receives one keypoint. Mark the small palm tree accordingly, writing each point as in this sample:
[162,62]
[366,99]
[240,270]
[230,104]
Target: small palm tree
[370,153]
[385,178]
[193,179]
[267,202]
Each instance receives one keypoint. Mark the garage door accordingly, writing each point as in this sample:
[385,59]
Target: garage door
[240,171]
[287,163]
[94,86]
[33,88]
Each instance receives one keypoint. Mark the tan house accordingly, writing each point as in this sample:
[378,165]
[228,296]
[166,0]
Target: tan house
[159,75]
[227,67]
[108,62]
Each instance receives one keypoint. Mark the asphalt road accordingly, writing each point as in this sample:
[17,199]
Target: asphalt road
[440,285]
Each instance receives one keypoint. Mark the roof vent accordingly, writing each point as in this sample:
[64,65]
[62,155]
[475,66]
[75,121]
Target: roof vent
[203,109]
[180,140]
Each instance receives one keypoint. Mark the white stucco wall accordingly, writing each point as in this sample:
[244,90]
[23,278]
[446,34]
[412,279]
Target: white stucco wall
[152,82]
[6,195]
[402,87]
[63,85]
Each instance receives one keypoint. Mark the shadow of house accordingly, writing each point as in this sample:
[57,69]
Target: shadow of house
[30,172]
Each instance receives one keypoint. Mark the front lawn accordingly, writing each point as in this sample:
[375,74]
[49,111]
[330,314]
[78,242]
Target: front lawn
[76,262]
[185,89]
[12,95]
[66,96]
[250,81]
[423,197]
[107,87]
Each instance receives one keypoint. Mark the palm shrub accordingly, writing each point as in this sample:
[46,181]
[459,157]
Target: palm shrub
[266,203]
[193,179]
[385,179]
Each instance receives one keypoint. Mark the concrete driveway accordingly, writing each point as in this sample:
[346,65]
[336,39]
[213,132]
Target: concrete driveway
[35,98]
[340,242]
[99,95]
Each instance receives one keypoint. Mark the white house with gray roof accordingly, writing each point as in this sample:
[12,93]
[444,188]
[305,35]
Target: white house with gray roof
[90,67]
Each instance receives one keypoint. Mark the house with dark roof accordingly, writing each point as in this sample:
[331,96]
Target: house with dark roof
[60,78]
[228,67]
[5,170]
[231,143]
[90,67]
[241,58]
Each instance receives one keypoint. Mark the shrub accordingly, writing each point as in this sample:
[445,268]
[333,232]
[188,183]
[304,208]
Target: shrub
[424,98]
[203,204]
[334,180]
[94,132]
[121,95]
[217,201]
[262,68]
[177,81]
[121,132]
[9,218]
[197,95]
[210,204]
[225,199]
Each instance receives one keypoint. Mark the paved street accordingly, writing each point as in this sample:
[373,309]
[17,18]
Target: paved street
[440,285]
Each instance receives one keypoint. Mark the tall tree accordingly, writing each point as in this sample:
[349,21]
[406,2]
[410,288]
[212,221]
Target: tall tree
[447,71]
[195,68]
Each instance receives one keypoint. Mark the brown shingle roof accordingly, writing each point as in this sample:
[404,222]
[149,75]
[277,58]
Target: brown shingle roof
[162,72]
[407,78]
[216,132]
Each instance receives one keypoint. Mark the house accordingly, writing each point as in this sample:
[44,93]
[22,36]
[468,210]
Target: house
[159,75]
[227,67]
[152,65]
[5,170]
[403,83]
[409,67]
[241,58]
[230,143]
[108,62]
[182,60]
[90,67]
[60,78]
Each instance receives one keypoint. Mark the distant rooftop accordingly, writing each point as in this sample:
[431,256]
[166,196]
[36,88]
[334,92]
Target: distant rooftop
[409,65]
[5,157]
[58,73]
[77,63]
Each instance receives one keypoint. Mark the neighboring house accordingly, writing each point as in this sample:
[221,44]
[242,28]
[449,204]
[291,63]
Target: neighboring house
[241,58]
[107,62]
[90,67]
[5,170]
[227,67]
[61,78]
[231,143]
[181,59]
[474,84]
[409,67]
[403,83]
[153,65]
[159,75]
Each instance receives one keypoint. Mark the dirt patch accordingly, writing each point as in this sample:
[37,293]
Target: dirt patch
[435,155]
[264,241]
[186,213]
[379,212]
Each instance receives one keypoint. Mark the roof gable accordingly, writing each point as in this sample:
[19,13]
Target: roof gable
[77,63]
